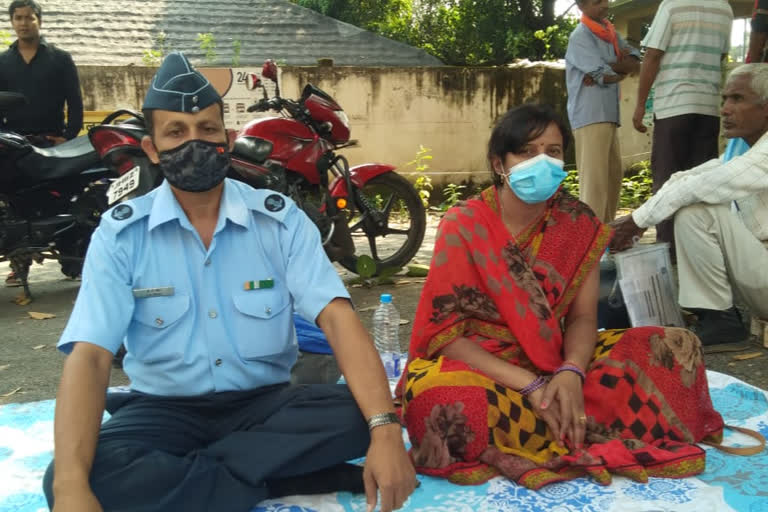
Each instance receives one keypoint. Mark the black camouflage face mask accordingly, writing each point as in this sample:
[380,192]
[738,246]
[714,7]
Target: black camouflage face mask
[196,165]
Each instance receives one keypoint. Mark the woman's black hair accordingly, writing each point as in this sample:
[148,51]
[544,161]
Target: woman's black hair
[519,126]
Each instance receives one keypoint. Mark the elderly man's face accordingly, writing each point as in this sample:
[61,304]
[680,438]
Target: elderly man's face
[744,113]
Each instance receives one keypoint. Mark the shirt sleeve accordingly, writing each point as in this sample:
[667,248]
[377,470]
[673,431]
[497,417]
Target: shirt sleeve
[583,54]
[104,305]
[312,280]
[659,34]
[727,39]
[712,182]
[634,52]
[73,97]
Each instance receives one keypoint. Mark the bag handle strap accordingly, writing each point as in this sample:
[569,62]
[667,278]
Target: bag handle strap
[741,450]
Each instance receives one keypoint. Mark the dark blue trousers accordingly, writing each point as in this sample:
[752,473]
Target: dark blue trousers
[215,452]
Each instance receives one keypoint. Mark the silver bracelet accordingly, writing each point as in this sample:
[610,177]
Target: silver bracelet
[384,418]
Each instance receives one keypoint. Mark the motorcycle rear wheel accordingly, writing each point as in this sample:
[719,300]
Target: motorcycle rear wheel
[88,209]
[388,224]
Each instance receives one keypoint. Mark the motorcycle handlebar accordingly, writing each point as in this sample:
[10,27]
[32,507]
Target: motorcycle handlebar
[266,104]
[296,110]
[121,112]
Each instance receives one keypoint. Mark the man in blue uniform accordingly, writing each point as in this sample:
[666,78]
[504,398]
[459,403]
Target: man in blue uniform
[199,278]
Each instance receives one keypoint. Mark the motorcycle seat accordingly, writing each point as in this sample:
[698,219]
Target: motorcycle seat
[252,149]
[67,159]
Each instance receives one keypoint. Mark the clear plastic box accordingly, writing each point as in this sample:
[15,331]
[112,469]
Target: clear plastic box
[648,285]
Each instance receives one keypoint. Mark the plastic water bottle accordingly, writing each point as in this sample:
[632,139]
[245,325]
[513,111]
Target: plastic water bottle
[386,324]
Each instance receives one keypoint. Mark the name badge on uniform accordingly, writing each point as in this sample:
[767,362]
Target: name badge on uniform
[259,285]
[163,291]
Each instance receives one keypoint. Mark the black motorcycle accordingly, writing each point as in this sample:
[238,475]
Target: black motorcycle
[51,200]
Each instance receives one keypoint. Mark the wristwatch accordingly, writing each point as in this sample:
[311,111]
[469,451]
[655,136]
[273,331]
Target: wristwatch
[384,418]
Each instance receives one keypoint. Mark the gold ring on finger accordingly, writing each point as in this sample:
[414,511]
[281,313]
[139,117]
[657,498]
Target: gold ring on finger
[583,418]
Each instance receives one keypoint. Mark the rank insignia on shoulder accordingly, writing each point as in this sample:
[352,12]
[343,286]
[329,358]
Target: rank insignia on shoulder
[258,285]
[122,212]
[274,203]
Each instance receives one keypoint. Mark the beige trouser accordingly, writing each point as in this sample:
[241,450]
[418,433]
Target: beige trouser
[598,160]
[718,256]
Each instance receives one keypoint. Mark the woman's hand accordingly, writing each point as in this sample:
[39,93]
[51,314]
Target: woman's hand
[565,395]
[550,415]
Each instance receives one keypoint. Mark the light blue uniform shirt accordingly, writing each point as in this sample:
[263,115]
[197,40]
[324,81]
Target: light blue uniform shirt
[188,324]
[587,54]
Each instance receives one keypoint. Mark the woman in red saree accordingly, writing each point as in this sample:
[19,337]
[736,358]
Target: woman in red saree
[507,373]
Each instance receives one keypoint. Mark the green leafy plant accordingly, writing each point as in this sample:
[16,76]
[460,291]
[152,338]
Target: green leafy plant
[152,57]
[155,55]
[366,268]
[420,164]
[5,39]
[208,45]
[451,195]
[571,182]
[637,186]
[546,36]
[378,201]
[461,32]
[236,47]
[423,186]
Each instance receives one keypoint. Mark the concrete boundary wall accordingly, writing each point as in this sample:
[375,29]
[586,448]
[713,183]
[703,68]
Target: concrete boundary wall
[393,111]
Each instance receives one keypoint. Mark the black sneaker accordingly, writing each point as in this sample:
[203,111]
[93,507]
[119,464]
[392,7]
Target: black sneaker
[721,331]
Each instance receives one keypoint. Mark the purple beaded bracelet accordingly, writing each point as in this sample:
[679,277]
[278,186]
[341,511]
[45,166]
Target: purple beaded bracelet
[535,384]
[567,367]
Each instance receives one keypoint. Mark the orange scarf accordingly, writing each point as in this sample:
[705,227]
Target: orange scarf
[605,32]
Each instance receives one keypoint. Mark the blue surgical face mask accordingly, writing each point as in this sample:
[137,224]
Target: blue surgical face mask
[537,179]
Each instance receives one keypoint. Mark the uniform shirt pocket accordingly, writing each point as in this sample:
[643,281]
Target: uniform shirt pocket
[263,323]
[154,328]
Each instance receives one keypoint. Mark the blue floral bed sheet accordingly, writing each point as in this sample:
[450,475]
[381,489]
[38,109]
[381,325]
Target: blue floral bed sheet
[730,483]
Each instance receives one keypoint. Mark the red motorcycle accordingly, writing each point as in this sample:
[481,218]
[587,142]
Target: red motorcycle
[366,209]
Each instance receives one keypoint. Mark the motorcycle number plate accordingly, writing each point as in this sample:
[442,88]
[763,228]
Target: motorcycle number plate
[124,185]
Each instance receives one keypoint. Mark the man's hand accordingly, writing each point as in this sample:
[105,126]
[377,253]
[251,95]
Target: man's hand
[388,469]
[81,499]
[637,119]
[626,64]
[55,140]
[565,390]
[588,80]
[625,232]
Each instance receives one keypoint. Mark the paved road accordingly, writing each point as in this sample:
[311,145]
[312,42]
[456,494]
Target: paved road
[29,361]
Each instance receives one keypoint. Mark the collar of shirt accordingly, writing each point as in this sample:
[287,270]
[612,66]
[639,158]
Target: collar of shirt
[166,208]
[43,44]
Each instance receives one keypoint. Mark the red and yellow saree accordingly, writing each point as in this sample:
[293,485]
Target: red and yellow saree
[646,394]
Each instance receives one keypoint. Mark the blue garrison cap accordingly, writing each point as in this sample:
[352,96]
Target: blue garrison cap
[179,87]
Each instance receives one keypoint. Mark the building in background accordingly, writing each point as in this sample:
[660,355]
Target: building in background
[232,33]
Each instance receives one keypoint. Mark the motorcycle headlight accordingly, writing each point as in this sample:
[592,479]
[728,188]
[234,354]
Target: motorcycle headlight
[342,116]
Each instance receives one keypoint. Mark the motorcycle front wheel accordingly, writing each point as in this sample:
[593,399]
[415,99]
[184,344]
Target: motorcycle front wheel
[388,224]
